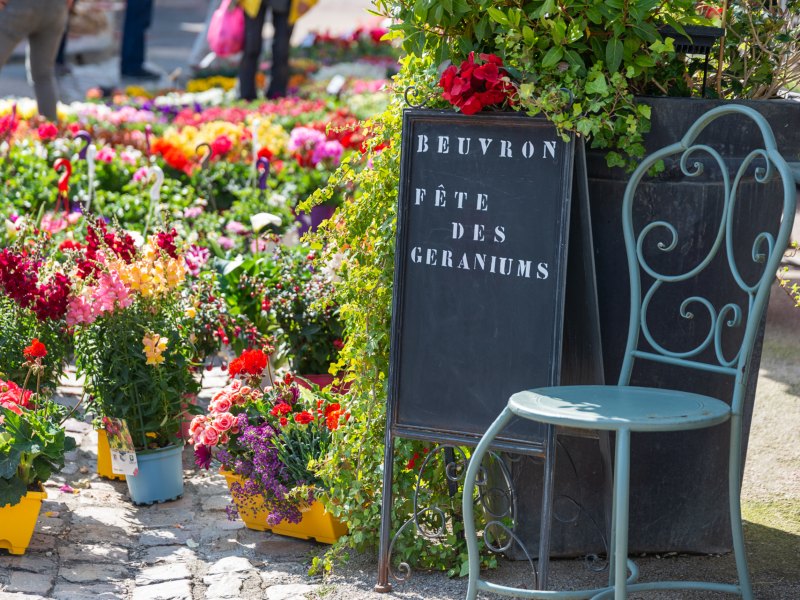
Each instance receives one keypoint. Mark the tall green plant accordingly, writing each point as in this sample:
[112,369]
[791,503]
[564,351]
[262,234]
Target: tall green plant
[361,237]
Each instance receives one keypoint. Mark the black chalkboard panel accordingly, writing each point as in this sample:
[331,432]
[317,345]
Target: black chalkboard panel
[480,268]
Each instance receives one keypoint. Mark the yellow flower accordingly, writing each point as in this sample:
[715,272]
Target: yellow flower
[191,312]
[175,272]
[154,346]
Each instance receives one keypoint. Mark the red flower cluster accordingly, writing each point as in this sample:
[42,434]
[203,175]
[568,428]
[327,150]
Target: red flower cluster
[36,350]
[122,245]
[166,241]
[250,362]
[473,86]
[221,145]
[47,131]
[303,417]
[172,155]
[19,279]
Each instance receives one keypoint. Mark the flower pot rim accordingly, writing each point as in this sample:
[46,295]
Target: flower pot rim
[167,448]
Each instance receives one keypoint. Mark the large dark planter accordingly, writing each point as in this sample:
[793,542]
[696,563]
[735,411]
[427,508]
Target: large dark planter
[679,499]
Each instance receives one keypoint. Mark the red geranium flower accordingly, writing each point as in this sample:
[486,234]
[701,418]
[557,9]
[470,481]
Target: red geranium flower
[250,362]
[304,417]
[282,408]
[221,145]
[472,86]
[36,350]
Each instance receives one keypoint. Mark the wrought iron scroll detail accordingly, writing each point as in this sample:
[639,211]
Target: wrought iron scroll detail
[756,166]
[415,98]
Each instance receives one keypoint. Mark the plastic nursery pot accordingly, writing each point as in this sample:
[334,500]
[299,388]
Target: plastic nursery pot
[317,523]
[160,476]
[17,522]
[104,457]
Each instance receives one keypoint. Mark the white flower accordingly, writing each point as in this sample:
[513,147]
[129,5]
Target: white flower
[263,219]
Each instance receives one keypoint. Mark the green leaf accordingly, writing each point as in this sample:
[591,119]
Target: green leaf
[614,52]
[497,15]
[552,57]
[11,491]
[597,85]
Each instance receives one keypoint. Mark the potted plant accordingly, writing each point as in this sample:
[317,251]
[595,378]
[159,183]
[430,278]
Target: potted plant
[133,349]
[288,296]
[32,448]
[269,443]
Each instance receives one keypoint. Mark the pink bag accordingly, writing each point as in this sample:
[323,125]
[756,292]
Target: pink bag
[226,30]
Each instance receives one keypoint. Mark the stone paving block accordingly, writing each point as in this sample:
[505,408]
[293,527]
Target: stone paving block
[172,554]
[30,583]
[101,591]
[227,585]
[74,552]
[19,596]
[292,591]
[75,426]
[169,590]
[41,542]
[274,577]
[30,561]
[165,516]
[162,573]
[93,571]
[164,537]
[230,564]
[216,503]
[53,525]
[120,517]
[99,534]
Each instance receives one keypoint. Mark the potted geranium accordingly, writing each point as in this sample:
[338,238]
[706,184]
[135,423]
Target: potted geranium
[32,447]
[269,443]
[133,349]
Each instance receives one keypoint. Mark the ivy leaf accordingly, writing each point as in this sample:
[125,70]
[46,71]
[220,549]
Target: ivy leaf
[614,52]
[597,85]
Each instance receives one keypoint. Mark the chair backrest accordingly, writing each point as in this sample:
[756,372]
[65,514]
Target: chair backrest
[701,260]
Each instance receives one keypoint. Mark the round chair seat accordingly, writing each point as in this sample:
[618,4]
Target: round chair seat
[619,407]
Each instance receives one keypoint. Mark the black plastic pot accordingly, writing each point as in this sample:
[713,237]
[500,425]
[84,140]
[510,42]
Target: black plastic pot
[678,481]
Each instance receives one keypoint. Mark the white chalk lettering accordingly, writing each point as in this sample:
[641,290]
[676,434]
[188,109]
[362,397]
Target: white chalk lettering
[460,197]
[505,149]
[524,268]
[542,272]
[430,258]
[485,144]
[416,254]
[499,234]
[420,196]
[458,230]
[477,232]
[549,148]
[447,258]
[444,144]
[483,202]
[463,148]
[422,143]
[440,196]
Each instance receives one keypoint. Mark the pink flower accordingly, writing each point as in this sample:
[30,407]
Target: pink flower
[141,174]
[129,156]
[221,405]
[209,437]
[221,145]
[12,406]
[225,243]
[197,425]
[304,138]
[106,154]
[195,257]
[330,152]
[236,228]
[53,223]
[47,131]
[223,422]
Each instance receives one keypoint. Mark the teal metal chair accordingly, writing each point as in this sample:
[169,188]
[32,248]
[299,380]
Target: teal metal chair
[623,409]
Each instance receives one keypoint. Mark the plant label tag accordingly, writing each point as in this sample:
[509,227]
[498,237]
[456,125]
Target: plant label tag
[123,454]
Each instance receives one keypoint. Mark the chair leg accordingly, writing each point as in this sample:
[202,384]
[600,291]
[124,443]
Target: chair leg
[545,528]
[621,499]
[734,496]
[470,533]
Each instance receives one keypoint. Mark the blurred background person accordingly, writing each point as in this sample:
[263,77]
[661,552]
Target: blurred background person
[43,23]
[255,15]
[138,16]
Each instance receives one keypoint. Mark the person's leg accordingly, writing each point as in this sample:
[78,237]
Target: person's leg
[41,60]
[138,14]
[17,18]
[279,72]
[251,53]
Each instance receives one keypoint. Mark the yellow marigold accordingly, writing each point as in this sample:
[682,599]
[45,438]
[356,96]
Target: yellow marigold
[154,347]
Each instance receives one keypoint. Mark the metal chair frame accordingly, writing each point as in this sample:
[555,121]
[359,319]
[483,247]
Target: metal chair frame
[624,408]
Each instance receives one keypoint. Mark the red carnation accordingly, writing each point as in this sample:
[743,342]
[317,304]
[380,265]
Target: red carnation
[250,362]
[36,350]
[282,408]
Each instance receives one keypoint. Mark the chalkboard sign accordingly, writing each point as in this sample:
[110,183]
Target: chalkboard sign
[480,269]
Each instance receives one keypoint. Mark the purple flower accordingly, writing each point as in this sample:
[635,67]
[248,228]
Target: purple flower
[202,456]
[328,152]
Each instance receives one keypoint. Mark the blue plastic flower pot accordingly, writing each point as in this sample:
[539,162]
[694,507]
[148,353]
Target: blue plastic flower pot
[160,476]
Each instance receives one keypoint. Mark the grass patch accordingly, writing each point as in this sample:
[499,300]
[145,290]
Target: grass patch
[772,532]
